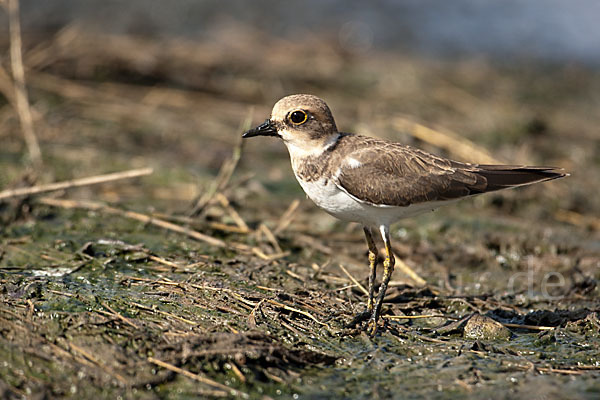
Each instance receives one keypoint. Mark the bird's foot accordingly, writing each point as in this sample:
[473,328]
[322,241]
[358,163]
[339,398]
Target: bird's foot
[370,327]
[359,319]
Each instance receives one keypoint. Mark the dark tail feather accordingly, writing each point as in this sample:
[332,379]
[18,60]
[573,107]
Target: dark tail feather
[506,176]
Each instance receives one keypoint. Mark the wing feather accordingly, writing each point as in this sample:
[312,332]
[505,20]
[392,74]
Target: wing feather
[390,174]
[383,173]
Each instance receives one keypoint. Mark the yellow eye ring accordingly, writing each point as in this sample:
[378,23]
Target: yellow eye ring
[298,117]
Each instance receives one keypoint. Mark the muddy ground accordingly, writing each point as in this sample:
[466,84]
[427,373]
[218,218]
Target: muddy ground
[98,302]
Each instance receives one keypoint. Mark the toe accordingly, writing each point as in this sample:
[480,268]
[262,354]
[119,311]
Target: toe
[358,318]
[372,327]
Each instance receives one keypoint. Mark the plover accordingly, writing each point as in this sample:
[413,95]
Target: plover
[376,182]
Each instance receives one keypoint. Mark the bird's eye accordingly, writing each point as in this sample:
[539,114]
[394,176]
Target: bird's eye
[298,117]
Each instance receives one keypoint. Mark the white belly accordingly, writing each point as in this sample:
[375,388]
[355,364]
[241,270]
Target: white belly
[340,204]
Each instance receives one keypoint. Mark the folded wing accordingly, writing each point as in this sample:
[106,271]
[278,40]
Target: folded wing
[391,174]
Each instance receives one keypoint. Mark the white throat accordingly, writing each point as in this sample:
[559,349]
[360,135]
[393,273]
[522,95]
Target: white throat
[310,149]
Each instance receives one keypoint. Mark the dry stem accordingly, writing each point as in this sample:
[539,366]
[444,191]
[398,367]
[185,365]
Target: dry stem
[226,171]
[197,377]
[96,206]
[91,180]
[20,92]
[457,145]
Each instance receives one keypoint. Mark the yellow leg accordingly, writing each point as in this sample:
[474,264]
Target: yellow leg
[388,269]
[363,316]
[372,267]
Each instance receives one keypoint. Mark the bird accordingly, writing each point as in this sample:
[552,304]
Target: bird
[376,182]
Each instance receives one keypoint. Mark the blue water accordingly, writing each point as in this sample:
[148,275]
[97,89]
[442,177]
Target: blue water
[554,30]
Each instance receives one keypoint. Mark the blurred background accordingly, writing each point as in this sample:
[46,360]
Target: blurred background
[115,84]
[544,30]
[120,85]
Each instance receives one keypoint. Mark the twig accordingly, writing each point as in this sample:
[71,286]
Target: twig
[575,218]
[252,315]
[153,281]
[164,262]
[20,92]
[198,378]
[357,283]
[295,275]
[239,221]
[156,310]
[219,226]
[96,206]
[459,146]
[267,288]
[530,327]
[241,299]
[7,87]
[428,339]
[119,316]
[91,180]
[287,217]
[61,293]
[226,228]
[97,362]
[296,310]
[269,257]
[418,316]
[237,371]
[559,371]
[345,287]
[409,271]
[576,370]
[270,237]
[226,171]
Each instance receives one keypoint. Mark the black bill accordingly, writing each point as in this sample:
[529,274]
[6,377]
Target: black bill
[264,129]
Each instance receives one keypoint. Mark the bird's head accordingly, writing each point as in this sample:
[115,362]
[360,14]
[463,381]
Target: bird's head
[303,121]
